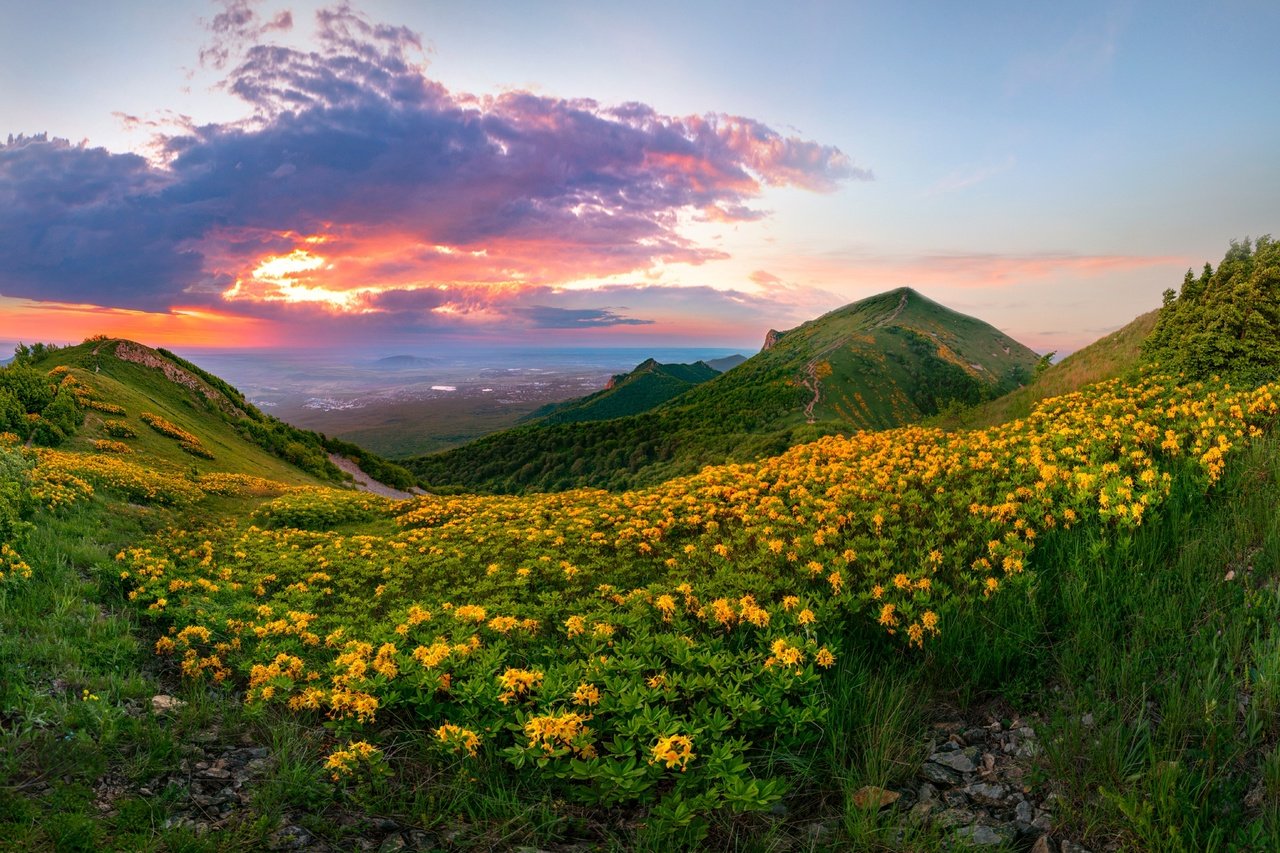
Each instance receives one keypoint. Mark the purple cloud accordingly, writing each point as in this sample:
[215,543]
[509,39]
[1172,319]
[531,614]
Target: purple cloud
[410,186]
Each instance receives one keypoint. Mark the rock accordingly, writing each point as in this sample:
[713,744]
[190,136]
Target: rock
[920,811]
[162,703]
[980,835]
[1086,720]
[1024,813]
[289,838]
[216,773]
[960,761]
[955,799]
[955,817]
[391,844]
[1043,821]
[1041,845]
[870,796]
[1072,847]
[939,775]
[926,792]
[987,794]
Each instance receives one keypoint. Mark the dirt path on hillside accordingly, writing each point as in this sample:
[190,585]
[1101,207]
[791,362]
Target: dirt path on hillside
[811,380]
[897,312]
[366,483]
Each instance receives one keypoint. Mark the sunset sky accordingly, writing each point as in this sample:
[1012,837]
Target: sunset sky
[426,174]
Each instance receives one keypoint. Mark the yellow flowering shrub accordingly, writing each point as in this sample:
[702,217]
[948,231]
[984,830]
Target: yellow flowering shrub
[704,609]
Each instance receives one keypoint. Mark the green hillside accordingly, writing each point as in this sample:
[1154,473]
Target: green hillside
[1105,358]
[134,394]
[884,361]
[650,385]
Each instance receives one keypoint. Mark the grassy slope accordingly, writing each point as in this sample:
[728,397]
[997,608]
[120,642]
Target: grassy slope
[650,385]
[878,378]
[143,389]
[1106,358]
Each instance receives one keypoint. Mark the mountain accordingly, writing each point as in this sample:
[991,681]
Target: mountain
[881,362]
[1106,358]
[405,362]
[649,385]
[720,365]
[177,414]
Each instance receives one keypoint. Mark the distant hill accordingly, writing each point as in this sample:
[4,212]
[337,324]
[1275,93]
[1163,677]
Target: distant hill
[729,362]
[175,413]
[649,385]
[1106,358]
[405,362]
[881,362]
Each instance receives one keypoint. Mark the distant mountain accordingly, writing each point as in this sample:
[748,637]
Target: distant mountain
[649,385]
[405,362]
[881,362]
[720,365]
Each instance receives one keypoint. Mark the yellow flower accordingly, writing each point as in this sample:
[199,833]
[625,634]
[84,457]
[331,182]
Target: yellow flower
[673,750]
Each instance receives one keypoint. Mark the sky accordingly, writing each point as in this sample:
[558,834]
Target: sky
[420,174]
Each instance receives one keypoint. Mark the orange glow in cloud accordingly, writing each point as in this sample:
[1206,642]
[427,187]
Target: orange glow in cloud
[56,322]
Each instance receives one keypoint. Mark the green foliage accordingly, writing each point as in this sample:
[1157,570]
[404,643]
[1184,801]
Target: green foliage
[14,495]
[34,405]
[1226,321]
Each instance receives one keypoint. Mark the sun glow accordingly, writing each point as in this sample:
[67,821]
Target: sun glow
[288,278]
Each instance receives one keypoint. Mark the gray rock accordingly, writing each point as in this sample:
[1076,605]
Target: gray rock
[1023,813]
[1072,847]
[926,792]
[961,761]
[391,844]
[920,811]
[289,838]
[938,774]
[980,835]
[955,799]
[987,794]
[955,817]
[1043,821]
[1086,720]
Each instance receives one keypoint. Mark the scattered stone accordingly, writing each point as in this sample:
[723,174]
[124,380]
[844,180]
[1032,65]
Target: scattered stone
[391,844]
[289,838]
[162,703]
[939,775]
[960,761]
[926,792]
[981,835]
[1072,847]
[871,796]
[1041,845]
[1024,813]
[955,817]
[1086,720]
[987,794]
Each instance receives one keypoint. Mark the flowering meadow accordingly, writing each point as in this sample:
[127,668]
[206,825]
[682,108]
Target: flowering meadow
[646,643]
